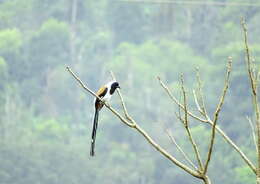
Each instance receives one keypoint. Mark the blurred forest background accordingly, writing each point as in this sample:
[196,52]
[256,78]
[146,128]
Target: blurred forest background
[46,118]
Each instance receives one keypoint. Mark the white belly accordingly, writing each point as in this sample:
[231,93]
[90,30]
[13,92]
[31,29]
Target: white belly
[107,97]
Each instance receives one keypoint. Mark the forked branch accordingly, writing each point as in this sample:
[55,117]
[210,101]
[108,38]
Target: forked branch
[216,114]
[122,101]
[172,97]
[210,122]
[180,149]
[186,125]
[94,94]
[253,77]
[131,123]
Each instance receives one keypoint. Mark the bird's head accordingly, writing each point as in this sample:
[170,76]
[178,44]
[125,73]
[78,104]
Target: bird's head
[115,85]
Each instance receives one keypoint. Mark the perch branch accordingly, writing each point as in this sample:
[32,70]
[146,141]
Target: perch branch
[94,94]
[141,131]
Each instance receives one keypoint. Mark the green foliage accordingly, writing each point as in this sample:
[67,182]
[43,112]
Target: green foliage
[50,44]
[51,129]
[3,82]
[169,55]
[10,10]
[10,40]
[3,68]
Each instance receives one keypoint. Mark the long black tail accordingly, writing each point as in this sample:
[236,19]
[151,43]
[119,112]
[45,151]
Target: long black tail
[94,130]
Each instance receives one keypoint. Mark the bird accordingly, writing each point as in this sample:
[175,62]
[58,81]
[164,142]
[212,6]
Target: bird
[105,92]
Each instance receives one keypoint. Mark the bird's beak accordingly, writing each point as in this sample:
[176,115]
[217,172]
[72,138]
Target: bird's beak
[119,87]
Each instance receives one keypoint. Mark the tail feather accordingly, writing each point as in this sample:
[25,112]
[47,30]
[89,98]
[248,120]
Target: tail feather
[94,130]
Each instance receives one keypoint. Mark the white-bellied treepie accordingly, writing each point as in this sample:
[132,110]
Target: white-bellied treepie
[105,93]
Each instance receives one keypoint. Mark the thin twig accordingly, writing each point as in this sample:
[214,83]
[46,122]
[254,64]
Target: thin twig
[253,132]
[221,102]
[122,101]
[253,82]
[166,154]
[171,137]
[236,148]
[257,76]
[201,95]
[178,103]
[248,59]
[186,125]
[180,149]
[196,102]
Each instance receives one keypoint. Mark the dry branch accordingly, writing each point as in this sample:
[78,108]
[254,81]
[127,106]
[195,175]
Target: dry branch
[94,94]
[180,149]
[253,81]
[208,121]
[221,102]
[235,147]
[197,102]
[178,103]
[253,132]
[186,125]
[201,96]
[122,100]
[134,125]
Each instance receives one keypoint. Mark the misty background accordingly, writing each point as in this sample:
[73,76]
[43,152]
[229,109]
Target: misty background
[46,118]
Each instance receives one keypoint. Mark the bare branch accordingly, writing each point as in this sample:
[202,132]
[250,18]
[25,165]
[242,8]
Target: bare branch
[257,76]
[219,130]
[166,154]
[201,96]
[221,102]
[236,148]
[142,132]
[180,149]
[186,125]
[196,102]
[248,59]
[122,101]
[178,103]
[253,81]
[253,132]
